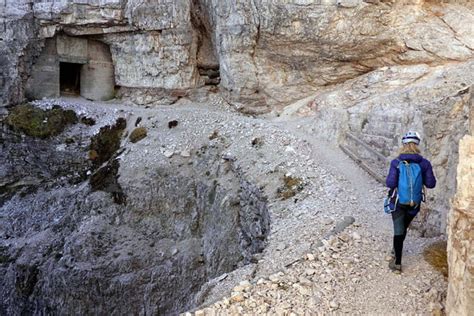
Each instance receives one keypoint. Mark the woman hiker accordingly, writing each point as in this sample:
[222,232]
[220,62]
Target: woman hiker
[400,178]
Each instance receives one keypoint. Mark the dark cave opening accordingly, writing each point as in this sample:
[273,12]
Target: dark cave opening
[70,78]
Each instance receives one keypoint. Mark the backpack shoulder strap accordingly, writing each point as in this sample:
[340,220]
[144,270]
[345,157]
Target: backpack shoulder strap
[402,161]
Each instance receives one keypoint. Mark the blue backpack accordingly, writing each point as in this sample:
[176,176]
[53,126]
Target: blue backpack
[410,183]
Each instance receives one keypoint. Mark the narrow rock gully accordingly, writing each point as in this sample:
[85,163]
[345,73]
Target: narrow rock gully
[347,273]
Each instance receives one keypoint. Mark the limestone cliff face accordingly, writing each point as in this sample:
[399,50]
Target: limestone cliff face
[460,300]
[18,49]
[277,53]
[266,54]
[152,43]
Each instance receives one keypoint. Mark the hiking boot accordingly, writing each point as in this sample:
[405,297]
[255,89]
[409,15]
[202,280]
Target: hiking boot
[396,268]
[391,256]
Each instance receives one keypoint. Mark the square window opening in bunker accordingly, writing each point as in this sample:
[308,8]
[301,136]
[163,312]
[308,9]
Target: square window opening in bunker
[70,78]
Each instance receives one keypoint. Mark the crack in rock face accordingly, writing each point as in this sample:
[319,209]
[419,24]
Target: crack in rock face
[71,250]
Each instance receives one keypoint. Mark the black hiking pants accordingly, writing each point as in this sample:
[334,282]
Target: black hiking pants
[401,217]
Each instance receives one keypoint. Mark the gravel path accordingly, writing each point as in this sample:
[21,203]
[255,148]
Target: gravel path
[349,273]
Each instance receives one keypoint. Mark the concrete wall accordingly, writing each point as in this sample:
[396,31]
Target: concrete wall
[97,73]
[97,76]
[44,80]
[72,49]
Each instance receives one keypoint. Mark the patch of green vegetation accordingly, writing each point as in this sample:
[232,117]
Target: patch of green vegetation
[106,142]
[103,148]
[291,186]
[4,259]
[39,123]
[138,134]
[436,255]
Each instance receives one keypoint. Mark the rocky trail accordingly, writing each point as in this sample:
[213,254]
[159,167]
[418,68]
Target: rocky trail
[346,272]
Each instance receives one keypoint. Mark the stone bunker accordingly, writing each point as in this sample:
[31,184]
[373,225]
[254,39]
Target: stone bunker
[73,66]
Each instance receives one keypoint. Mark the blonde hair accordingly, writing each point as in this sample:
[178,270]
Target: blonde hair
[410,148]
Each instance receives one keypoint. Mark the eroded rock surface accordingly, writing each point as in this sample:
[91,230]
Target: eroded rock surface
[73,250]
[460,300]
[71,247]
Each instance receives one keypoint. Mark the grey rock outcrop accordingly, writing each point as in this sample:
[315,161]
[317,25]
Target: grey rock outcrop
[262,55]
[376,68]
[67,249]
[19,46]
[287,50]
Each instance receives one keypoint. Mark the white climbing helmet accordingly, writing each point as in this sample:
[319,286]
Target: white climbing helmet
[411,137]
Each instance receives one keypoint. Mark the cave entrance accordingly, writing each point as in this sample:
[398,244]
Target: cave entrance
[70,78]
[72,65]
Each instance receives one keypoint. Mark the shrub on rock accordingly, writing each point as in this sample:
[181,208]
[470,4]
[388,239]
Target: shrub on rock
[104,145]
[40,123]
[138,134]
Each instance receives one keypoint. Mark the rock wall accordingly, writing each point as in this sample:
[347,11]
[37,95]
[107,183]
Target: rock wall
[273,53]
[460,300]
[152,43]
[266,54]
[19,46]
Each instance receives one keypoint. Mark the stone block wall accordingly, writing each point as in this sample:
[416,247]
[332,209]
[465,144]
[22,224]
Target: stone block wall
[72,49]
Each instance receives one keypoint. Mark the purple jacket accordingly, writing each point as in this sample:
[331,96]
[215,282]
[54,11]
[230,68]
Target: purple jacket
[429,179]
